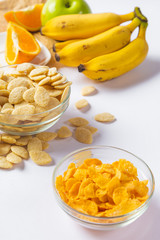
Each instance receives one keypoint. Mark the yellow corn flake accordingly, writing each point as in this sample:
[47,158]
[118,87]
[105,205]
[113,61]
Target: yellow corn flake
[120,194]
[69,183]
[81,104]
[80,174]
[92,161]
[127,167]
[102,189]
[73,192]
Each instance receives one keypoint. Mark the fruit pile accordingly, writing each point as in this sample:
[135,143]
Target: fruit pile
[97,44]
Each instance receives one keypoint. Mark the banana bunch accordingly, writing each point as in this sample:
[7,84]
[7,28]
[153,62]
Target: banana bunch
[97,44]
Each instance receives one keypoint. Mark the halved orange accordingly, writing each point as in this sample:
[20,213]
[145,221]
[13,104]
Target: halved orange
[29,18]
[21,46]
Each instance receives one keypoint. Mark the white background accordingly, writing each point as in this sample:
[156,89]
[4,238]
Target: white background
[28,209]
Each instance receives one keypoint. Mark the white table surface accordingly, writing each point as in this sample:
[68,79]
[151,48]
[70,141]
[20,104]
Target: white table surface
[28,210]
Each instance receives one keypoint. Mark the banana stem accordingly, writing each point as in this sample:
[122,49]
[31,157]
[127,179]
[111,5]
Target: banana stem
[135,23]
[142,30]
[127,17]
[138,14]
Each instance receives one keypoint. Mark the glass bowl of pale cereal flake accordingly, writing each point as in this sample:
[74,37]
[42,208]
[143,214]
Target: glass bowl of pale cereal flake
[32,98]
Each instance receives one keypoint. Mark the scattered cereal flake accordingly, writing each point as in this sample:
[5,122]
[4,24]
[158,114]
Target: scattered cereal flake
[78,122]
[8,139]
[83,135]
[44,81]
[104,117]
[4,163]
[13,158]
[81,104]
[41,97]
[3,100]
[40,157]
[18,82]
[64,132]
[25,68]
[46,136]
[91,129]
[39,71]
[88,90]
[45,145]
[34,144]
[28,95]
[4,148]
[64,94]
[16,95]
[23,141]
[20,151]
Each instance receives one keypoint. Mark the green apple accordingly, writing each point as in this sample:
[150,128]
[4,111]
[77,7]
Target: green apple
[53,8]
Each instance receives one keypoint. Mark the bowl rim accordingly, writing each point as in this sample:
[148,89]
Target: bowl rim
[132,213]
[36,114]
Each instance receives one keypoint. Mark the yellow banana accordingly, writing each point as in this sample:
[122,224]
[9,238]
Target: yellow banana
[109,41]
[59,45]
[112,65]
[80,26]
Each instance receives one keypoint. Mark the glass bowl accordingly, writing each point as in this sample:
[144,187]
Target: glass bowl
[106,154]
[34,123]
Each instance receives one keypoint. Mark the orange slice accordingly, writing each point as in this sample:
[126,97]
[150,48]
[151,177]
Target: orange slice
[21,46]
[29,18]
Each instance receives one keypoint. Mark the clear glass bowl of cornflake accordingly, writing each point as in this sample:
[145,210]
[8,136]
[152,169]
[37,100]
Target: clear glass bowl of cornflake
[102,187]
